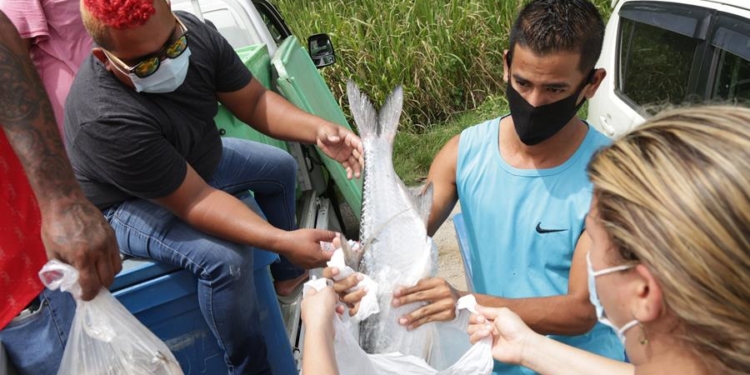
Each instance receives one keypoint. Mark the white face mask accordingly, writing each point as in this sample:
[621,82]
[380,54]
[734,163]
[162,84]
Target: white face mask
[170,75]
[594,298]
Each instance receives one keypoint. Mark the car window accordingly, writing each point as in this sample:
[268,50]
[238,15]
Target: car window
[732,43]
[271,17]
[654,64]
[272,28]
[733,78]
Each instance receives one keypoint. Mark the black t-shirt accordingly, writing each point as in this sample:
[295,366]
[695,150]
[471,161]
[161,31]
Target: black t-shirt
[125,144]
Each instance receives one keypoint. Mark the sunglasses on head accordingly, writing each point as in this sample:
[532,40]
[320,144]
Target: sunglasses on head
[150,65]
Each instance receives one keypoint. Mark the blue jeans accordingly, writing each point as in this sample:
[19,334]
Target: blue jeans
[35,343]
[224,269]
[272,176]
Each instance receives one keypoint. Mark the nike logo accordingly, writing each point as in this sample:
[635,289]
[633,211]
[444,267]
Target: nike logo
[541,230]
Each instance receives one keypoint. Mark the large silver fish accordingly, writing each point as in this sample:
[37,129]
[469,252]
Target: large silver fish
[397,250]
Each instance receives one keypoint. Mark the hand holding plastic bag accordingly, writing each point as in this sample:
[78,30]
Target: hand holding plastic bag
[453,353]
[106,339]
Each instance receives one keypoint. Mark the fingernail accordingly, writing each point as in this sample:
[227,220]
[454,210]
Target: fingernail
[403,321]
[395,302]
[360,277]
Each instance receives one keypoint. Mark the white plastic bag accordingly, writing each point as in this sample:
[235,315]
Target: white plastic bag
[105,338]
[453,352]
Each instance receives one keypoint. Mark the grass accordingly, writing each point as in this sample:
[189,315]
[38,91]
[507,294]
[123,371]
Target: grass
[413,152]
[446,54]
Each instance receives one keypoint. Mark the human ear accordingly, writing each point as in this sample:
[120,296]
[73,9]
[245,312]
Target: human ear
[595,82]
[648,304]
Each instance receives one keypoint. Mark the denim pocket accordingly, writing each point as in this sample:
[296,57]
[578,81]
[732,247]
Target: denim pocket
[110,212]
[27,318]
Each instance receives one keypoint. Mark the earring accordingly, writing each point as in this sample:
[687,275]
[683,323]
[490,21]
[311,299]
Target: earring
[643,339]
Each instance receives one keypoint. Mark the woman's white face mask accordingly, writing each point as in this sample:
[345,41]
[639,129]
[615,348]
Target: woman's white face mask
[594,298]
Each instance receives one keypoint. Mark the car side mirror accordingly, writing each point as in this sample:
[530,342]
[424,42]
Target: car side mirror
[321,50]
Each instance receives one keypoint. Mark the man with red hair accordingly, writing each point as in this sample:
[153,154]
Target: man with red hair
[141,136]
[43,214]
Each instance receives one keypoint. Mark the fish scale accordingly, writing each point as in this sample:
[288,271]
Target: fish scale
[397,249]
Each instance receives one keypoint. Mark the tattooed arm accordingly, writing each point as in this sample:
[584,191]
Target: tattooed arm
[73,230]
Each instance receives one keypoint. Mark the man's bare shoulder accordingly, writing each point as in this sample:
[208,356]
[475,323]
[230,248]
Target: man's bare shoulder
[447,157]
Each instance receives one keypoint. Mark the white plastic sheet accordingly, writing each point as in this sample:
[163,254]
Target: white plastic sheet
[105,338]
[451,351]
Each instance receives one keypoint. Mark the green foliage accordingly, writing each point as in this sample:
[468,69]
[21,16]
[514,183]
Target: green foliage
[446,54]
[413,152]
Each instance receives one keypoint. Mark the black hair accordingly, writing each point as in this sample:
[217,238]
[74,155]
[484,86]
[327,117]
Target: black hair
[549,26]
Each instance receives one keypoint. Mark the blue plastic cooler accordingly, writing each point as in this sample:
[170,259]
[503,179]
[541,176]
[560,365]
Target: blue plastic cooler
[164,299]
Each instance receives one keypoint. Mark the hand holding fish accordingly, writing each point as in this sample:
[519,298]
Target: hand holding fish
[342,145]
[510,335]
[439,295]
[302,247]
[344,288]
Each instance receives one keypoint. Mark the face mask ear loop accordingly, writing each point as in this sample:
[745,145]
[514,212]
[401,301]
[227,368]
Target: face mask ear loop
[625,328]
[613,269]
[628,326]
[510,75]
[589,80]
[590,77]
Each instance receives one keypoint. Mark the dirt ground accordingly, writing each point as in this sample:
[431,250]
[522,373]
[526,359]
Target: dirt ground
[450,264]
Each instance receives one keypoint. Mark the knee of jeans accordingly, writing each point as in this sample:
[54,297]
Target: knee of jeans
[230,264]
[288,166]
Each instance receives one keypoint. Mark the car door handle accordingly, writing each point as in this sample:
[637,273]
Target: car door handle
[609,130]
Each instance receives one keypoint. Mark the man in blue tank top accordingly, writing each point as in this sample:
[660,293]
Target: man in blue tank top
[523,188]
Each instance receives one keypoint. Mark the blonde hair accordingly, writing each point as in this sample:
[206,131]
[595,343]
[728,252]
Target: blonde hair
[675,196]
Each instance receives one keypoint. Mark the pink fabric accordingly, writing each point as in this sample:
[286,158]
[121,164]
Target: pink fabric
[60,43]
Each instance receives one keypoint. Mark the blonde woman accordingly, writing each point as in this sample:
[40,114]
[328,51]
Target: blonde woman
[670,259]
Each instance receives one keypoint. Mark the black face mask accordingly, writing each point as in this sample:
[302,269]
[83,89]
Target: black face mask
[535,125]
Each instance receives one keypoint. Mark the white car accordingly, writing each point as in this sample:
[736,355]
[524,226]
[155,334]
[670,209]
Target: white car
[671,52]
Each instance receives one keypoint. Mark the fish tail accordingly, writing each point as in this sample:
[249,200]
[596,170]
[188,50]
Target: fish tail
[390,114]
[370,123]
[363,112]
